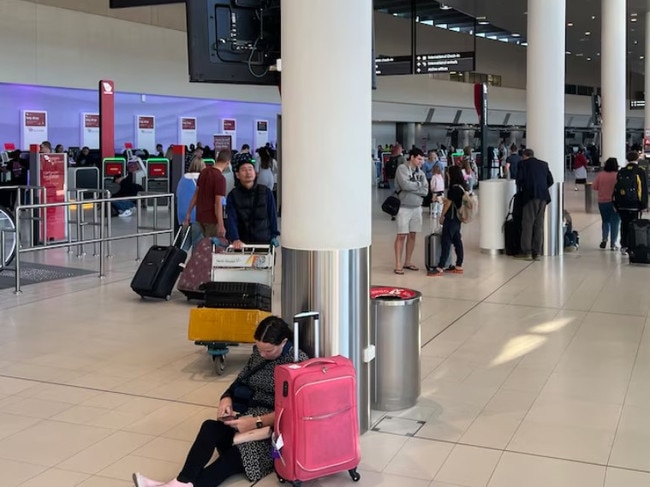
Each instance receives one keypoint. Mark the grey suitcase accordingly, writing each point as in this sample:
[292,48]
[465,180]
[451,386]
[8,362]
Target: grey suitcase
[432,251]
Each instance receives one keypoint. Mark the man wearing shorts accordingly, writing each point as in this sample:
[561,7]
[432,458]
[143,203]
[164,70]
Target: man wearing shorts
[411,187]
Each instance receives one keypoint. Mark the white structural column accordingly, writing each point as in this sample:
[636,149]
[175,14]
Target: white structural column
[327,70]
[647,70]
[545,104]
[613,57]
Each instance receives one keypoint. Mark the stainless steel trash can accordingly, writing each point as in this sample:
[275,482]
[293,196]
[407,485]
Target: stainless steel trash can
[395,331]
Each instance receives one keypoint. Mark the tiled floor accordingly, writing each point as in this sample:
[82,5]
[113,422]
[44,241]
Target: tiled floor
[533,374]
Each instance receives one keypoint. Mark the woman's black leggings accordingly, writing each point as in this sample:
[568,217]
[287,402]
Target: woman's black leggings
[213,434]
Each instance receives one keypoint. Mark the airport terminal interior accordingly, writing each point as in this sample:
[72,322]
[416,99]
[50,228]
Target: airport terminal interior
[533,373]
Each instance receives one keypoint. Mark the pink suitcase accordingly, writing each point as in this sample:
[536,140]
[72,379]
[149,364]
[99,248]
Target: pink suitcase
[316,416]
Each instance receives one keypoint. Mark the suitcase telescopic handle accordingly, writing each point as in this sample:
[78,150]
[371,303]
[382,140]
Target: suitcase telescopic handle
[300,318]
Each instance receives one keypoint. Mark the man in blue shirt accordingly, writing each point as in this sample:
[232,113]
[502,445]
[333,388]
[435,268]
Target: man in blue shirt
[250,207]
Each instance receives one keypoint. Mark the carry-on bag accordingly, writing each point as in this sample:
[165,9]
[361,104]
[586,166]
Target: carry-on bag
[198,269]
[316,429]
[639,242]
[160,268]
[512,227]
[242,295]
[433,248]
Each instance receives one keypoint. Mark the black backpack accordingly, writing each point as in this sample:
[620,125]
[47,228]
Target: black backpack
[627,191]
[391,167]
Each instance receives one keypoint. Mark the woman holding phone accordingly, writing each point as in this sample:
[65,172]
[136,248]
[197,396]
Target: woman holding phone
[246,407]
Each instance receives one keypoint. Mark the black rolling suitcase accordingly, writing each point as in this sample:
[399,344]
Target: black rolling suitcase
[240,295]
[512,227]
[160,268]
[639,242]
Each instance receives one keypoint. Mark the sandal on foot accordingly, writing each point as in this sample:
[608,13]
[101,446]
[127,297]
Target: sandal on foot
[399,272]
[411,267]
[435,272]
[454,270]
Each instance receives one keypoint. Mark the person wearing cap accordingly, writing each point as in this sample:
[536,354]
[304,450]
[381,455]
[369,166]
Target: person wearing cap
[208,197]
[252,217]
[244,155]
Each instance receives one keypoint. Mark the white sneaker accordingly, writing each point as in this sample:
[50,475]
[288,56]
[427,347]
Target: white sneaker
[126,213]
[142,481]
[623,251]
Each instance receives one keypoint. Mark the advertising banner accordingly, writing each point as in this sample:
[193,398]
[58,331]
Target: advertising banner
[260,133]
[90,130]
[107,118]
[145,132]
[33,124]
[52,173]
[229,127]
[187,131]
[222,142]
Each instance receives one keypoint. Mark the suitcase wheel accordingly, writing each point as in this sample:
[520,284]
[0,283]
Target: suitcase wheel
[219,363]
[168,297]
[354,475]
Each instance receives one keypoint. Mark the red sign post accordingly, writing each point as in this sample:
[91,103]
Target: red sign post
[52,174]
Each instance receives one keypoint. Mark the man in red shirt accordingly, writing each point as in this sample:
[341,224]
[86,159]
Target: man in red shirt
[208,197]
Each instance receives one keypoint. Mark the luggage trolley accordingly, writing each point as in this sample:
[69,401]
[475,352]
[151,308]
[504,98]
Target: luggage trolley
[234,321]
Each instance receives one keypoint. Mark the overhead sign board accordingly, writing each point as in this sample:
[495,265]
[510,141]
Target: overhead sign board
[393,65]
[444,62]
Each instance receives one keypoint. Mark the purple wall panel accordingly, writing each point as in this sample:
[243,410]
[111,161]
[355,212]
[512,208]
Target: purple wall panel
[64,107]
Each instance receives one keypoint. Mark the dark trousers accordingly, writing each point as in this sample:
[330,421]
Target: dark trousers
[213,434]
[627,217]
[532,227]
[451,235]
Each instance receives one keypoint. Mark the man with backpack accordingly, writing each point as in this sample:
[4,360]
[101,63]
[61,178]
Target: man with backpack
[533,180]
[630,195]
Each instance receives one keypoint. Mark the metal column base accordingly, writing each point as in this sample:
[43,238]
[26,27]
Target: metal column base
[335,283]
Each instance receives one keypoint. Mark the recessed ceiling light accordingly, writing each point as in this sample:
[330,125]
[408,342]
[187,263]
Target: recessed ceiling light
[514,34]
[483,22]
[570,24]
[567,52]
[588,59]
[444,7]
[633,14]
[633,19]
[636,42]
[641,57]
[587,33]
[597,54]
[579,54]
[593,17]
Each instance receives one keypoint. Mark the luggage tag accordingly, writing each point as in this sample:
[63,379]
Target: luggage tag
[277,444]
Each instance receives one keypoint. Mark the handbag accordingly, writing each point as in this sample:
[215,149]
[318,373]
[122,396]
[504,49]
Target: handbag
[391,205]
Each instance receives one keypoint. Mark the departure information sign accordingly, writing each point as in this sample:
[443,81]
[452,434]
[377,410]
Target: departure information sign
[393,65]
[444,63]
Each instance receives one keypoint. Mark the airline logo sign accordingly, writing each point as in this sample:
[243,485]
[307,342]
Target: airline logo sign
[107,87]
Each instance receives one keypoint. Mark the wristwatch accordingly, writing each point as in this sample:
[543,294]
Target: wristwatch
[259,423]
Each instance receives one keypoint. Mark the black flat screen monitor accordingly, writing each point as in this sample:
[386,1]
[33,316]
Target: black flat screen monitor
[140,3]
[233,41]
